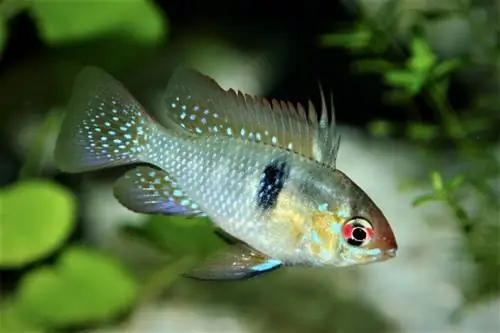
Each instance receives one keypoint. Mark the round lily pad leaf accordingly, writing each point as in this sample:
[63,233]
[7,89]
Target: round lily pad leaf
[12,320]
[36,217]
[73,21]
[85,287]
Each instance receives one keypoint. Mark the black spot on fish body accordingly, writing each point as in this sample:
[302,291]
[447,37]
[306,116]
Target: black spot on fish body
[271,183]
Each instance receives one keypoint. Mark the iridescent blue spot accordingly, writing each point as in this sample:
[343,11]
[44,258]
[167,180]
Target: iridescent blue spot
[112,133]
[335,228]
[325,254]
[371,252]
[267,265]
[315,237]
[323,207]
[343,212]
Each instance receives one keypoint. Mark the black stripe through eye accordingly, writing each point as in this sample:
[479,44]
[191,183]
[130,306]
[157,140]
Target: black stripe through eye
[271,183]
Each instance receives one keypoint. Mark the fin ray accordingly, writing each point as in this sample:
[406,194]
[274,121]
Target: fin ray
[104,126]
[199,105]
[145,189]
[236,262]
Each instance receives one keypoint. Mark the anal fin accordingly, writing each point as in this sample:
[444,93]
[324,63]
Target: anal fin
[236,262]
[145,189]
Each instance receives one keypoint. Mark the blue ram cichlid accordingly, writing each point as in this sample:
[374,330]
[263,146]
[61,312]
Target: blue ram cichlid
[263,172]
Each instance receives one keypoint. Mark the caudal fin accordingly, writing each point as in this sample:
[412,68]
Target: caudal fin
[104,126]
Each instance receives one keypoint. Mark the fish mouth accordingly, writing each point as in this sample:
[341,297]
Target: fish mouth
[391,253]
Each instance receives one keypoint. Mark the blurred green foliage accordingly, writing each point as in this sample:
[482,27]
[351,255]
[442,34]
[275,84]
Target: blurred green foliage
[74,21]
[40,149]
[372,40]
[178,235]
[84,286]
[36,218]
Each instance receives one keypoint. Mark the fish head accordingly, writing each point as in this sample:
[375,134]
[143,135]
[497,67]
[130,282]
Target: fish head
[360,231]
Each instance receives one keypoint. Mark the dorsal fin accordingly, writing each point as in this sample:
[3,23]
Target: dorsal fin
[199,105]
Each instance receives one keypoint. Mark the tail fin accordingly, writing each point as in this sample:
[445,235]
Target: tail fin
[104,126]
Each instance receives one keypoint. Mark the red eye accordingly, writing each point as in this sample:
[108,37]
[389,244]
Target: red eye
[357,232]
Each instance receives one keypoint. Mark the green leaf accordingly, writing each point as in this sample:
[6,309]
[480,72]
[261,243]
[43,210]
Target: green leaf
[357,39]
[456,182]
[84,287]
[446,67]
[61,22]
[11,320]
[178,235]
[437,181]
[422,56]
[423,199]
[410,81]
[424,132]
[36,217]
[400,78]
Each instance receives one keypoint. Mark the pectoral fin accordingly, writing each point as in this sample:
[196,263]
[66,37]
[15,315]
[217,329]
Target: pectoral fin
[236,262]
[145,189]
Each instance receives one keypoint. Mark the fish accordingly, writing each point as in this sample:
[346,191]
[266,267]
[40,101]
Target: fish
[263,171]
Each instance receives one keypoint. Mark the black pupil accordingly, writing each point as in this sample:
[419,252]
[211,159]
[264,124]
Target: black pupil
[359,234]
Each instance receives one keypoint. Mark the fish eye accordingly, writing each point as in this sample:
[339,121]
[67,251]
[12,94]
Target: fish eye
[357,232]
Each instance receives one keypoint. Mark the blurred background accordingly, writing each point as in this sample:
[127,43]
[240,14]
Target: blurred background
[416,86]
